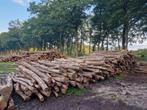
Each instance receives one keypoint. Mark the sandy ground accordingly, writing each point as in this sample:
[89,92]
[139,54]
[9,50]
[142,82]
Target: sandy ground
[127,93]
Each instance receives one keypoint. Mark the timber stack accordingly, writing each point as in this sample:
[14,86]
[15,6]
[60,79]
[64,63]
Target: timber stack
[45,78]
[33,56]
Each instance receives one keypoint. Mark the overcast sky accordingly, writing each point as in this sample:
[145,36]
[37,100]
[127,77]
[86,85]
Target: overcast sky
[17,9]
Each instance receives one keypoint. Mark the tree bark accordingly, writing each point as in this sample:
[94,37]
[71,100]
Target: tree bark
[125,26]
[125,35]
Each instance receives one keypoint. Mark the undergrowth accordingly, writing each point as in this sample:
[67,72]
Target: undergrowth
[75,91]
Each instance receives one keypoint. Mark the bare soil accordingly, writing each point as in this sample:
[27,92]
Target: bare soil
[129,92]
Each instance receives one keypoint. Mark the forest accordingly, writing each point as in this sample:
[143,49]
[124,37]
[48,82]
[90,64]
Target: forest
[74,26]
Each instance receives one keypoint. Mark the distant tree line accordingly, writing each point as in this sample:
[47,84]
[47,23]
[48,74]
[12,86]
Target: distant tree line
[73,25]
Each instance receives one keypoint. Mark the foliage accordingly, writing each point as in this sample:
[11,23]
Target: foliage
[120,76]
[71,25]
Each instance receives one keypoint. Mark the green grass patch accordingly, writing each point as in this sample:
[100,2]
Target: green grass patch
[141,54]
[76,91]
[115,97]
[7,67]
[119,76]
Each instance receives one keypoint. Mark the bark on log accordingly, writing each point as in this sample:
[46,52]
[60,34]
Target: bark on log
[36,77]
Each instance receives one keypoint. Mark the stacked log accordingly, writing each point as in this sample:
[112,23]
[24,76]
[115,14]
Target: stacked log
[33,56]
[44,78]
[12,58]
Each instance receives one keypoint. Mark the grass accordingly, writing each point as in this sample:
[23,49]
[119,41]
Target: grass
[114,97]
[119,76]
[75,91]
[141,54]
[7,67]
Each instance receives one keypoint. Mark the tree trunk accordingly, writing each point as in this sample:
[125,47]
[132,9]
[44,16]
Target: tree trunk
[107,47]
[125,35]
[102,45]
[125,26]
[94,45]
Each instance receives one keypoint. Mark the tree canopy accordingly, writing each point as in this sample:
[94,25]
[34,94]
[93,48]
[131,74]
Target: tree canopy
[73,25]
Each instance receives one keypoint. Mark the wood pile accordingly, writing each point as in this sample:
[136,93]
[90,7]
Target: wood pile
[45,78]
[33,56]
[6,88]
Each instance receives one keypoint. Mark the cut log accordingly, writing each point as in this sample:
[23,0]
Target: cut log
[36,71]
[36,77]
[23,83]
[19,92]
[44,78]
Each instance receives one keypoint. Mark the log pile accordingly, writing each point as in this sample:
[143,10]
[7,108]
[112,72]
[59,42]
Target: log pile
[6,88]
[44,78]
[33,56]
[12,58]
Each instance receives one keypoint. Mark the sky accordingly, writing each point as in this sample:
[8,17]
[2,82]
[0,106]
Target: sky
[12,10]
[138,46]
[17,9]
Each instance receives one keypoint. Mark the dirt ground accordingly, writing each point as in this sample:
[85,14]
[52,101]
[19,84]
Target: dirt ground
[126,92]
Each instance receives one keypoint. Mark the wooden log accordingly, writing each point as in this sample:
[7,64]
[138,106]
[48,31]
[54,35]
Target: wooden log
[24,88]
[40,96]
[56,88]
[64,89]
[98,77]
[23,80]
[100,67]
[35,70]
[19,92]
[73,83]
[60,79]
[28,93]
[35,76]
[37,86]
[23,83]
[55,93]
[46,93]
[59,84]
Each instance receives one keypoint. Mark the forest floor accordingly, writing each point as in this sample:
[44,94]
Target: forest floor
[123,92]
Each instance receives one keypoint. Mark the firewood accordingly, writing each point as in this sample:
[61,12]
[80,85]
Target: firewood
[36,71]
[24,88]
[55,93]
[23,83]
[46,93]
[36,77]
[28,93]
[59,84]
[33,56]
[73,83]
[37,86]
[56,76]
[40,96]
[64,88]
[60,79]
[56,88]
[19,92]
[17,79]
